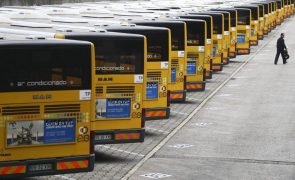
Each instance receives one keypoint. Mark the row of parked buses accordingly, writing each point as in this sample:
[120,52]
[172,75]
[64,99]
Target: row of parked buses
[77,75]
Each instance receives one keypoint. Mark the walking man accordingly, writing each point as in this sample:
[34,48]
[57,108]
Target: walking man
[280,49]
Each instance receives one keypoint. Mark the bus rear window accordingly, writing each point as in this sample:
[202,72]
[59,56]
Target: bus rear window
[196,34]
[261,11]
[243,17]
[279,5]
[254,13]
[39,68]
[265,8]
[226,21]
[119,56]
[157,48]
[217,24]
[177,37]
[233,19]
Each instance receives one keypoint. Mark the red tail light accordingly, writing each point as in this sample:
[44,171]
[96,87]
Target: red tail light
[168,97]
[91,142]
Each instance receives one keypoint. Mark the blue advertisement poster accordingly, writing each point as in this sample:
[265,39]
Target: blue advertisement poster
[173,75]
[152,90]
[252,32]
[118,108]
[241,39]
[59,131]
[191,67]
[214,52]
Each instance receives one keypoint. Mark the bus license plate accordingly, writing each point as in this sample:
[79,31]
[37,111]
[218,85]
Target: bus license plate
[40,167]
[103,137]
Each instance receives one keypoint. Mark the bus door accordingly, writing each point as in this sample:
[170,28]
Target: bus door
[120,60]
[226,35]
[243,31]
[208,46]
[254,23]
[156,76]
[195,70]
[177,66]
[217,39]
[45,105]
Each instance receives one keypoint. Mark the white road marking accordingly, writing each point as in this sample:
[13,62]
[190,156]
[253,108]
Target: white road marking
[64,177]
[233,85]
[123,151]
[153,129]
[203,124]
[164,141]
[181,146]
[224,95]
[155,175]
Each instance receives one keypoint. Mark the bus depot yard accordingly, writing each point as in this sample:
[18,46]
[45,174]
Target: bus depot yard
[93,90]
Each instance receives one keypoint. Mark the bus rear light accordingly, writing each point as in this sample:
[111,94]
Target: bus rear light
[127,136]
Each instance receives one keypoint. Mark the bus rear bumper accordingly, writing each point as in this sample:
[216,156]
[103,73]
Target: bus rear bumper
[265,32]
[195,86]
[243,51]
[225,61]
[232,54]
[44,167]
[260,37]
[217,66]
[119,136]
[253,42]
[177,96]
[156,113]
[209,74]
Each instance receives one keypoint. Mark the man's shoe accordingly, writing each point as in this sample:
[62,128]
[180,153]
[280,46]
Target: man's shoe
[276,64]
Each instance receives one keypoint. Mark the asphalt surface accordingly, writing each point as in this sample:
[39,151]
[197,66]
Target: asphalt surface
[241,127]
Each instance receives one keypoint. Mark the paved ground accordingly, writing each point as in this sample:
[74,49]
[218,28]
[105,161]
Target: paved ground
[244,131]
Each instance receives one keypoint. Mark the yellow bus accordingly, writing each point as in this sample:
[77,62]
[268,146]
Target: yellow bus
[233,31]
[45,105]
[226,35]
[280,13]
[267,18]
[273,14]
[177,66]
[118,82]
[120,61]
[209,44]
[156,75]
[217,39]
[261,21]
[195,67]
[254,23]
[243,31]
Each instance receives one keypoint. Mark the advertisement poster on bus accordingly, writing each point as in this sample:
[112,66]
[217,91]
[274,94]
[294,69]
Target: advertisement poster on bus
[152,90]
[173,75]
[241,39]
[38,132]
[113,108]
[191,67]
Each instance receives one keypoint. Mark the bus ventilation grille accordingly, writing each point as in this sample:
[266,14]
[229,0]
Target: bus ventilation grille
[62,108]
[16,110]
[154,74]
[120,89]
[99,90]
[174,63]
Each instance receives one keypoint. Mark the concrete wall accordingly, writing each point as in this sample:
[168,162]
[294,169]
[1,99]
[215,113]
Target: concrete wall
[38,2]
